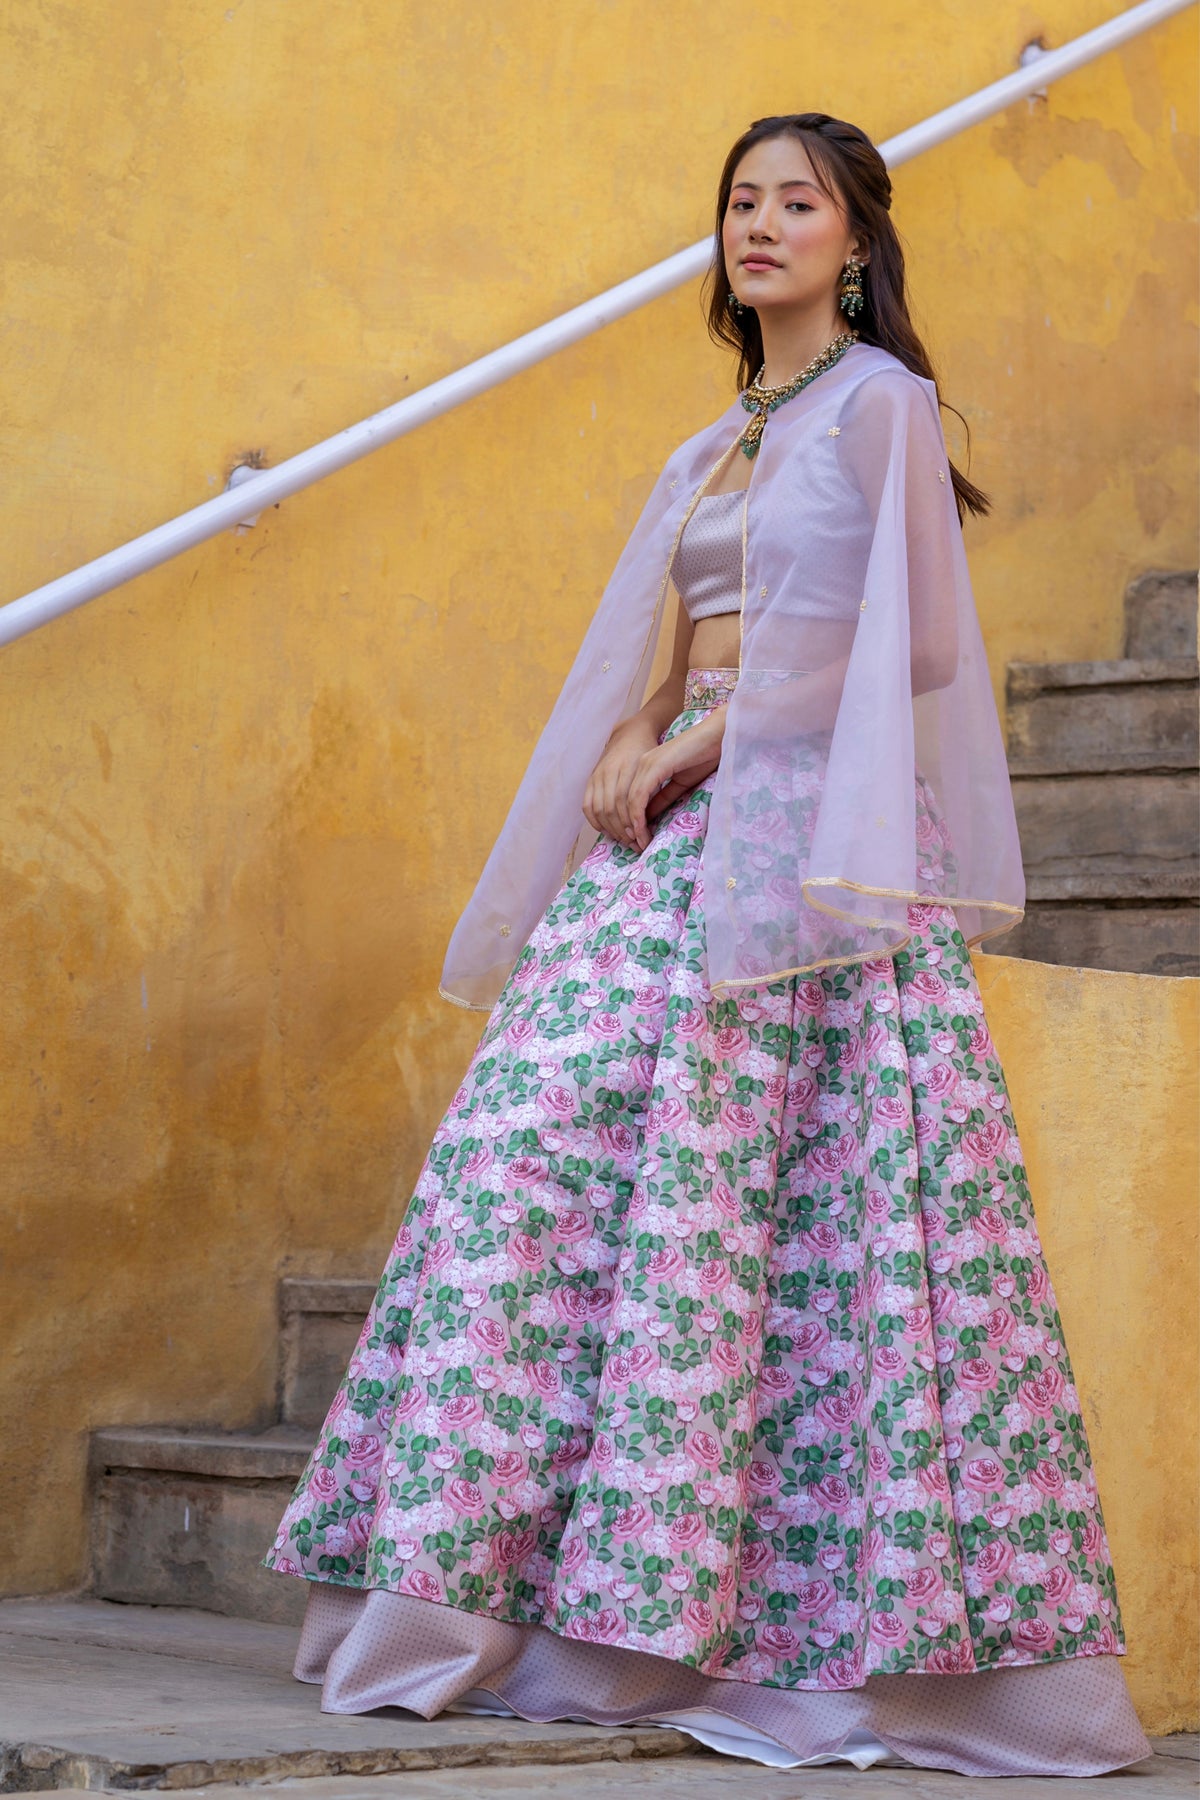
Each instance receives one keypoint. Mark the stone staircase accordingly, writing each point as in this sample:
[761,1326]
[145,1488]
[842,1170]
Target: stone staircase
[1104,759]
[183,1518]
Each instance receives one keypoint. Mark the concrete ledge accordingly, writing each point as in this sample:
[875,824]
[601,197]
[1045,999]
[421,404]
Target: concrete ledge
[185,1518]
[300,1295]
[87,1704]
[275,1455]
[1027,679]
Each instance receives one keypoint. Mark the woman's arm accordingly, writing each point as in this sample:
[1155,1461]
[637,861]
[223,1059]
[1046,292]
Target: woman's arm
[606,798]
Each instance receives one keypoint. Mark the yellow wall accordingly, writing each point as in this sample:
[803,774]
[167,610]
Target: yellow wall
[1102,1069]
[246,795]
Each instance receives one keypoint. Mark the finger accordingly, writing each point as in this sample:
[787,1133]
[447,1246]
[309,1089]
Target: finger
[637,818]
[615,799]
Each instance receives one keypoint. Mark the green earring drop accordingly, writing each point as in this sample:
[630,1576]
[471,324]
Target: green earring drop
[851,301]
[735,305]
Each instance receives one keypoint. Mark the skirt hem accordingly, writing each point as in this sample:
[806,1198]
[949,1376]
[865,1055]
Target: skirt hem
[634,1648]
[430,1658]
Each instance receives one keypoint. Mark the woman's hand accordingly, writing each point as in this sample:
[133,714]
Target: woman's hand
[671,770]
[637,778]
[606,797]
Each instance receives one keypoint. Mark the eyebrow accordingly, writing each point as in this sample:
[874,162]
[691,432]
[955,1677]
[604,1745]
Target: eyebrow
[782,184]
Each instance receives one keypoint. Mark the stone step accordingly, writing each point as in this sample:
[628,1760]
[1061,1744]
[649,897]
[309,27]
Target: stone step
[320,1322]
[1142,940]
[1081,717]
[1160,613]
[112,1698]
[1109,837]
[184,1518]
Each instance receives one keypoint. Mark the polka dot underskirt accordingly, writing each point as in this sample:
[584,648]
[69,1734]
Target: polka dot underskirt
[370,1648]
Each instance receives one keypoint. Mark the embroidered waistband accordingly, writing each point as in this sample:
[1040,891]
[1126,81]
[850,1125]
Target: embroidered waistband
[708,687]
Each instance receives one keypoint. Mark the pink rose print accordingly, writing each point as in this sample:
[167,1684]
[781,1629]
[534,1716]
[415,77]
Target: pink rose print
[488,1334]
[986,1144]
[365,1450]
[920,1586]
[1058,1585]
[465,1497]
[686,1532]
[1042,1393]
[888,1628]
[664,1265]
[779,1641]
[756,1556]
[833,1492]
[699,1617]
[984,1474]
[460,1413]
[705,1449]
[630,1522]
[420,1583]
[672,1249]
[1035,1284]
[1034,1634]
[951,1659]
[572,1555]
[604,1627]
[523,1171]
[631,1365]
[545,1378]
[527,1251]
[830,1159]
[324,1483]
[512,1548]
[1049,1477]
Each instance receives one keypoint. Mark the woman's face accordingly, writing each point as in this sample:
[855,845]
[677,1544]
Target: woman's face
[779,214]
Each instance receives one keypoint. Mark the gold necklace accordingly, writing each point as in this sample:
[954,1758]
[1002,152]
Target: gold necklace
[761,400]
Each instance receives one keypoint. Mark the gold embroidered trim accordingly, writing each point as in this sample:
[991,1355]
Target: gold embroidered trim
[828,962]
[824,962]
[902,894]
[466,1005]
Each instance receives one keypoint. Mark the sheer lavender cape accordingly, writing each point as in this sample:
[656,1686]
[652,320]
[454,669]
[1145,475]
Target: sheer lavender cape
[864,685]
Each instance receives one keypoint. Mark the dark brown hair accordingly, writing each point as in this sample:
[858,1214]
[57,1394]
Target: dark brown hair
[851,171]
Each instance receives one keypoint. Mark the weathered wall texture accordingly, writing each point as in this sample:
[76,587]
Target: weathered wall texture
[1102,1069]
[245,796]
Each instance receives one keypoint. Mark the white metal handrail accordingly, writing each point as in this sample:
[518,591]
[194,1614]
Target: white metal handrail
[270,485]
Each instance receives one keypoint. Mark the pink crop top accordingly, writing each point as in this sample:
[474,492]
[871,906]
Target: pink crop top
[707,570]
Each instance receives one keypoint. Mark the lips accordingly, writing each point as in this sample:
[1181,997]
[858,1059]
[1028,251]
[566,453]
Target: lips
[760,262]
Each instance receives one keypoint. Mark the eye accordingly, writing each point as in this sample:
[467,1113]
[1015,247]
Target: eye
[804,203]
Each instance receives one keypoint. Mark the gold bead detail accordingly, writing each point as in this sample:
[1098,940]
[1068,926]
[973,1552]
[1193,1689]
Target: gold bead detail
[506,931]
[834,431]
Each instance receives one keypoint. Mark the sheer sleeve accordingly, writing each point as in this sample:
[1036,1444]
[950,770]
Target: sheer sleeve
[862,768]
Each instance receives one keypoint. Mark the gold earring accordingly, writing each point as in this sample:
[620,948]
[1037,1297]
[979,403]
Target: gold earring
[851,301]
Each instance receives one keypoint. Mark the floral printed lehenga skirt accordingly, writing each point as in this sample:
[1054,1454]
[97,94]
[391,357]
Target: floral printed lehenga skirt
[715,1376]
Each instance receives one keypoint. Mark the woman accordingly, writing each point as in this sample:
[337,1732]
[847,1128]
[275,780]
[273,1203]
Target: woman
[716,1376]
